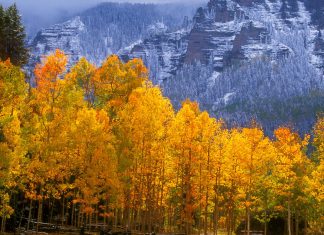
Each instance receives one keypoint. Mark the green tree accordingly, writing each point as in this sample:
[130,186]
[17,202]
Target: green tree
[2,32]
[13,36]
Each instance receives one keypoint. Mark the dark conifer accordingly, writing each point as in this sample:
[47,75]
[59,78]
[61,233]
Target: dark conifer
[14,37]
[2,33]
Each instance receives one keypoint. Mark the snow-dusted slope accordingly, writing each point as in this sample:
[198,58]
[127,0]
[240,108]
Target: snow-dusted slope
[65,36]
[260,59]
[106,29]
[162,52]
[226,32]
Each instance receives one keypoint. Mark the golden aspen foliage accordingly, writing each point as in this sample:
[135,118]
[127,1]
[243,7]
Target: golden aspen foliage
[315,181]
[289,173]
[13,90]
[184,133]
[82,74]
[103,147]
[142,126]
[114,81]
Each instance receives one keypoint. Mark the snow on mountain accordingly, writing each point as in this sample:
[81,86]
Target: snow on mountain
[106,29]
[240,59]
[258,59]
[163,53]
[65,36]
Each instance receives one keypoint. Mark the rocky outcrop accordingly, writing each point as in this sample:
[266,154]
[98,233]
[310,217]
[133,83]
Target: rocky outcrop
[106,29]
[65,36]
[228,32]
[223,33]
[163,53]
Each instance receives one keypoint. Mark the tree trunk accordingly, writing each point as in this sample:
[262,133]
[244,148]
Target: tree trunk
[289,219]
[97,212]
[21,217]
[29,214]
[78,217]
[206,216]
[90,221]
[297,224]
[63,210]
[52,203]
[248,221]
[40,212]
[3,224]
[265,227]
[73,214]
[216,218]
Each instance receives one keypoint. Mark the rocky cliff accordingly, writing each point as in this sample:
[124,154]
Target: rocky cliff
[106,29]
[227,32]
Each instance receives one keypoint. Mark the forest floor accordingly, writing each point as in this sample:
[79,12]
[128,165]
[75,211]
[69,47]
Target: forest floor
[86,233]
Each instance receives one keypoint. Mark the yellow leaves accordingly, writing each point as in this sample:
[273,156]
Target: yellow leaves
[82,75]
[88,210]
[48,74]
[5,209]
[12,84]
[53,66]
[12,131]
[114,81]
[106,138]
[319,140]
[106,215]
[279,208]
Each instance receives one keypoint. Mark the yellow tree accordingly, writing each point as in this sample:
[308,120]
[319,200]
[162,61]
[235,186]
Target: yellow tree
[209,132]
[52,105]
[289,172]
[114,82]
[94,165]
[256,159]
[12,96]
[143,123]
[315,181]
[218,183]
[184,134]
[82,73]
[232,179]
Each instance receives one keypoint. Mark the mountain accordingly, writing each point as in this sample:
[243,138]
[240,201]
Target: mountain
[226,32]
[259,59]
[243,60]
[105,29]
[240,59]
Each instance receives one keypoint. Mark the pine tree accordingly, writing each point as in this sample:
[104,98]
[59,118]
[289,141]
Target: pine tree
[2,32]
[13,37]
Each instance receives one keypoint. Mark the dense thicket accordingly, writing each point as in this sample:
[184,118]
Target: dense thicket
[102,145]
[12,36]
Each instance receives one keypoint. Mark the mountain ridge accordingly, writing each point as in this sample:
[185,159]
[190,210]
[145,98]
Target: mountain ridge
[240,59]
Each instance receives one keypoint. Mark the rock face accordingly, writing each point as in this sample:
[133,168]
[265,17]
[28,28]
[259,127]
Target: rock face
[65,36]
[106,29]
[223,33]
[227,32]
[163,53]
